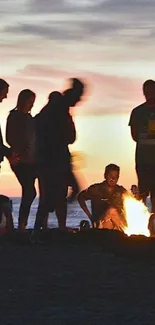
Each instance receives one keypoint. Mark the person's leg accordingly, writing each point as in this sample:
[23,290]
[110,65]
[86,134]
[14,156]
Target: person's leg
[151,224]
[26,176]
[42,210]
[61,213]
[151,181]
[46,196]
[152,197]
[45,223]
[61,188]
[143,184]
[73,183]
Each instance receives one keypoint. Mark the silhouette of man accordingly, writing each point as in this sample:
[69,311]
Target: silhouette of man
[71,97]
[5,202]
[4,150]
[56,130]
[142,124]
[106,201]
[4,88]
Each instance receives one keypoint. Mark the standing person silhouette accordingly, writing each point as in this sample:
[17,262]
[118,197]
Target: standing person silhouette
[56,130]
[4,88]
[72,96]
[5,202]
[53,160]
[21,136]
[142,124]
[4,150]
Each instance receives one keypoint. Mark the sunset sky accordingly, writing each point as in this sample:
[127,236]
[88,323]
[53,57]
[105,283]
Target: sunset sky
[109,43]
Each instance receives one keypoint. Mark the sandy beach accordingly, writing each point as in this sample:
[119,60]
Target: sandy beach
[96,277]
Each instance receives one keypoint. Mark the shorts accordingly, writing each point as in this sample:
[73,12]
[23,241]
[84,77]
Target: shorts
[146,179]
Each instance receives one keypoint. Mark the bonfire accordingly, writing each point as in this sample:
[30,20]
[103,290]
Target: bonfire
[134,219]
[137,217]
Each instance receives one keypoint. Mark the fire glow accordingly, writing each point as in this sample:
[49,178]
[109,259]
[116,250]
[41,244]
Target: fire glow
[137,217]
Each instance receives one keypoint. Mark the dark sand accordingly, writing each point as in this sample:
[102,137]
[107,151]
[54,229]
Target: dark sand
[92,278]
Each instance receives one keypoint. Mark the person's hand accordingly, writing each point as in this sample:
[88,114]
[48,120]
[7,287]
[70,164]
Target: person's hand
[14,159]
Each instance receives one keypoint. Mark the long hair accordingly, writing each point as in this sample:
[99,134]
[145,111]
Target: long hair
[23,96]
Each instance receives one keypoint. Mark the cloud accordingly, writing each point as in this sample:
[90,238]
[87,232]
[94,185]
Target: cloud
[105,94]
[61,6]
[109,42]
[63,30]
[43,72]
[72,20]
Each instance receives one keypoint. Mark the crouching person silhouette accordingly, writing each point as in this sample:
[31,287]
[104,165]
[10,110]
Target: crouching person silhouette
[6,212]
[106,201]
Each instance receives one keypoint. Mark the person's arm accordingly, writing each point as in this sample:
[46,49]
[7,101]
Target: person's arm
[13,157]
[1,147]
[71,130]
[133,133]
[4,150]
[82,197]
[133,128]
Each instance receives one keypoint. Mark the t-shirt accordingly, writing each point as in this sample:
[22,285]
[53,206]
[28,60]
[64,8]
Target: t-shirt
[102,199]
[143,120]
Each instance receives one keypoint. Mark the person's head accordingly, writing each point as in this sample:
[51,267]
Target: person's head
[4,88]
[54,105]
[77,85]
[75,92]
[149,90]
[134,188]
[84,225]
[111,174]
[55,98]
[72,97]
[25,100]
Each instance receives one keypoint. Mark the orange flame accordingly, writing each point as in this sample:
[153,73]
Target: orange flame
[137,217]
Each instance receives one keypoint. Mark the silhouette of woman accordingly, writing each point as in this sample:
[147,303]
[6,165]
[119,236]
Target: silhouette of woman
[21,136]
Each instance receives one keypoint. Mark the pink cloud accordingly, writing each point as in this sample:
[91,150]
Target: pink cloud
[105,93]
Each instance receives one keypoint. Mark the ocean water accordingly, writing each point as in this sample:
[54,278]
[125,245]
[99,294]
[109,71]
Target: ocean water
[74,214]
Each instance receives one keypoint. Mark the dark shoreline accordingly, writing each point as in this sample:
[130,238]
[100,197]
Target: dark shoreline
[96,277]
